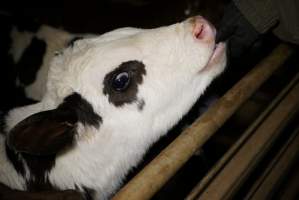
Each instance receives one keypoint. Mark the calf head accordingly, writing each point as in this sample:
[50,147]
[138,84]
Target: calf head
[108,98]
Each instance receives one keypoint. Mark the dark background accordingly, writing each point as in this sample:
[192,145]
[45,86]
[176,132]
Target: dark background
[104,15]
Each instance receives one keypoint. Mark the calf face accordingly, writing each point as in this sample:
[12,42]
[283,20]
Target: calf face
[108,99]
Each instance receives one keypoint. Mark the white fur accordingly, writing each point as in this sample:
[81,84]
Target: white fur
[175,77]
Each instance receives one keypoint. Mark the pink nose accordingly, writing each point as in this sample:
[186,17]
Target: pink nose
[203,30]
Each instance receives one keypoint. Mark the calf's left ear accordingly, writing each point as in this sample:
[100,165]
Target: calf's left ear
[50,132]
[44,133]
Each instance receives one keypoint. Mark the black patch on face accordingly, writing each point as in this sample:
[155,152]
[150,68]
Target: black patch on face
[31,61]
[136,70]
[73,40]
[83,110]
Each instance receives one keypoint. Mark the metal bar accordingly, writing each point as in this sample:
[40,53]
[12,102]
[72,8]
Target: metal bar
[240,142]
[290,190]
[226,183]
[145,184]
[266,184]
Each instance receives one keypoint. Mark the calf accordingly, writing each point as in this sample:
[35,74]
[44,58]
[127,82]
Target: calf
[108,99]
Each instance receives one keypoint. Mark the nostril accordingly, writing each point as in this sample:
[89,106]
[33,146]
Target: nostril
[203,30]
[198,35]
[198,32]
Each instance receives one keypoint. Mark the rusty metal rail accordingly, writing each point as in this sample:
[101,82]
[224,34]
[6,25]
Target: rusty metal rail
[145,184]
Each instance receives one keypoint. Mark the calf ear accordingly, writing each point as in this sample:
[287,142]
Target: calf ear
[44,133]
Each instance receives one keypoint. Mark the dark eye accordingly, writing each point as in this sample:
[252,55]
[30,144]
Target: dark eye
[121,81]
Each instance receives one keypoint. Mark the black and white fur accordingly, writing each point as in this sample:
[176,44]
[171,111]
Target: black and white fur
[32,51]
[107,99]
[27,47]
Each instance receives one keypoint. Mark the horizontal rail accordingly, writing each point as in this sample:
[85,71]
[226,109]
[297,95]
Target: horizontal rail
[240,142]
[146,183]
[226,183]
[265,186]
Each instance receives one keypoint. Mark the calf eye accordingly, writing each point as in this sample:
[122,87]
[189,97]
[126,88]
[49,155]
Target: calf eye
[121,84]
[121,81]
